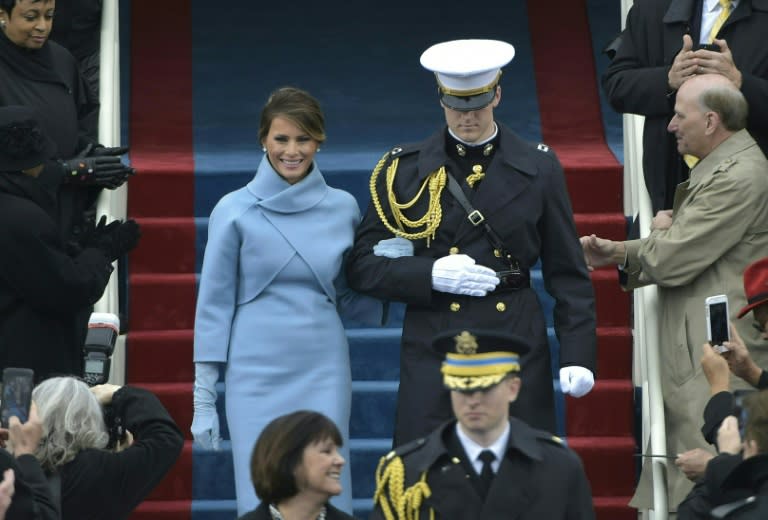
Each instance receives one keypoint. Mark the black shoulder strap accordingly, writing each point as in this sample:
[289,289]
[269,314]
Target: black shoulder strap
[476,218]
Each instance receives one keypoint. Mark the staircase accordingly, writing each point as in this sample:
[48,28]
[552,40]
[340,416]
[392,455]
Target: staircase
[196,88]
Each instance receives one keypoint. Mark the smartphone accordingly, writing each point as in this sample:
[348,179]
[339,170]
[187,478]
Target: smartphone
[16,394]
[708,47]
[717,321]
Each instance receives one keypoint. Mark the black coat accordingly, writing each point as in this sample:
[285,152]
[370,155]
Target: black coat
[636,81]
[262,513]
[104,485]
[751,474]
[50,80]
[32,498]
[539,478]
[524,198]
[43,290]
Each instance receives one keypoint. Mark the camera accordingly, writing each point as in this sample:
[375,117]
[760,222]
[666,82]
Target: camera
[115,427]
[103,329]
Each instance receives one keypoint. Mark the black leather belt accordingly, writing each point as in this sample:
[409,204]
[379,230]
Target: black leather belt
[514,279]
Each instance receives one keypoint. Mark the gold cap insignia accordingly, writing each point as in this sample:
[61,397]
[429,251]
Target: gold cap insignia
[466,343]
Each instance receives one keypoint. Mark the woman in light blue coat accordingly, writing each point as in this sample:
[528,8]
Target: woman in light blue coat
[270,293]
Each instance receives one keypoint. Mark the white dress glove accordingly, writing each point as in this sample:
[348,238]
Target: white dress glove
[205,422]
[393,247]
[577,381]
[458,274]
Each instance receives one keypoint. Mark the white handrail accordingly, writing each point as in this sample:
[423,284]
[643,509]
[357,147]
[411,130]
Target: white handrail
[112,203]
[646,334]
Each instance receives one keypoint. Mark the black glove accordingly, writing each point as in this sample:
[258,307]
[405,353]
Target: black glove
[116,238]
[101,151]
[106,171]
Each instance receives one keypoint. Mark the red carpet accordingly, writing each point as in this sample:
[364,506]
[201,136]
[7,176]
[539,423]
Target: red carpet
[599,425]
[161,151]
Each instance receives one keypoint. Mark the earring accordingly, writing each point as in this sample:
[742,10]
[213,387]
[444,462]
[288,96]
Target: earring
[2,24]
[263,148]
[318,148]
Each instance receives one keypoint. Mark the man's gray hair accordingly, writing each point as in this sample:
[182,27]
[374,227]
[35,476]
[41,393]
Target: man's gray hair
[72,420]
[729,103]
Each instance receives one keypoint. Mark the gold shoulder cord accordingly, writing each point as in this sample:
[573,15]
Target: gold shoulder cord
[431,219]
[390,482]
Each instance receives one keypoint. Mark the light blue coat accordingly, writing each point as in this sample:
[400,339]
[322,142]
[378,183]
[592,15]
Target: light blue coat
[271,282]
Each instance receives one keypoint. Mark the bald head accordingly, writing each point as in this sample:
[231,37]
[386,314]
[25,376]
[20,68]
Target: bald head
[708,110]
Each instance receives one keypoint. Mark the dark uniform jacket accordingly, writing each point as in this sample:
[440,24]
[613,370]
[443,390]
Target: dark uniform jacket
[262,513]
[43,289]
[524,198]
[539,478]
[101,484]
[637,82]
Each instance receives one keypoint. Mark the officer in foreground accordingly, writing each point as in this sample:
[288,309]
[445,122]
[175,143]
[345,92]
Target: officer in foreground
[483,463]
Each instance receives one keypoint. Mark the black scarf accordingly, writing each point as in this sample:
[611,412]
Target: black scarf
[34,64]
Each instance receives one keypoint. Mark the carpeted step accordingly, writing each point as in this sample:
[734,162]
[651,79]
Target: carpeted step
[604,225]
[609,463]
[214,510]
[614,353]
[614,508]
[162,301]
[165,356]
[163,510]
[167,301]
[158,235]
[613,398]
[584,180]
[160,356]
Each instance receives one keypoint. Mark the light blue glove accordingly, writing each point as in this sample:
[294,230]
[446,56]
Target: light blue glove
[577,381]
[393,247]
[205,423]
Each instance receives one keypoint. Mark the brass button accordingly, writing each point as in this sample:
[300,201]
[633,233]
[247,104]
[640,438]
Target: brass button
[501,307]
[497,253]
[455,307]
[454,250]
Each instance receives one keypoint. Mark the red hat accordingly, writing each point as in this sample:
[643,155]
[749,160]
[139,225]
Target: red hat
[755,285]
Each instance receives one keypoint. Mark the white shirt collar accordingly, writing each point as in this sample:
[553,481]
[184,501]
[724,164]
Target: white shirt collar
[473,449]
[711,5]
[478,143]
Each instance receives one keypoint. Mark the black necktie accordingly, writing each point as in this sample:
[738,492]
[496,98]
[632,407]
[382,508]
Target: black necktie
[486,474]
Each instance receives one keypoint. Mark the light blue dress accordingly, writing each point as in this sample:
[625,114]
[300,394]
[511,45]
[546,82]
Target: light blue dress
[271,282]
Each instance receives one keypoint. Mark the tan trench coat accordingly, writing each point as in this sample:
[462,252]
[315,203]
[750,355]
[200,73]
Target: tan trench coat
[720,225]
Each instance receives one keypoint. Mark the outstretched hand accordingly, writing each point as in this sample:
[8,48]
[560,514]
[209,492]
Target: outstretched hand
[599,252]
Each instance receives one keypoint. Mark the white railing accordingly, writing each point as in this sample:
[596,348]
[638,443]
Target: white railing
[646,333]
[112,203]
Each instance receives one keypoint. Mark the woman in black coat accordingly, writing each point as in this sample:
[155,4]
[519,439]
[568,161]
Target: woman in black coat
[44,288]
[97,482]
[296,469]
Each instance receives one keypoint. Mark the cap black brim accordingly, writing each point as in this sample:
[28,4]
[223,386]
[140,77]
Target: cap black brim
[467,103]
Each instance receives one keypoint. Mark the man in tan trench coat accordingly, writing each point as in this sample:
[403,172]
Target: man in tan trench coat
[718,225]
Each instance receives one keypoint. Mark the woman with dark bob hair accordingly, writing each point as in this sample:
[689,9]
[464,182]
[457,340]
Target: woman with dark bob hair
[296,468]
